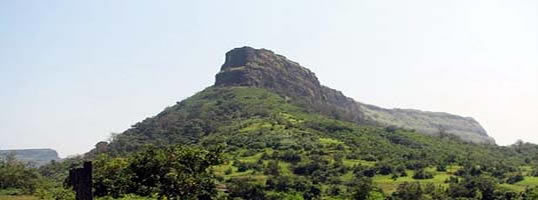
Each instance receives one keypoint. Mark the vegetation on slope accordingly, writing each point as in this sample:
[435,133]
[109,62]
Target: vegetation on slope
[273,147]
[273,140]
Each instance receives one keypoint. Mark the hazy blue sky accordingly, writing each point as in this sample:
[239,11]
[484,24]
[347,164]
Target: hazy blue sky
[72,72]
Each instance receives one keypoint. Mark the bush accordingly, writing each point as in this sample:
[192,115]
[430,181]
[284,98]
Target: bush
[279,183]
[312,192]
[441,168]
[244,189]
[272,168]
[385,169]
[361,187]
[408,191]
[514,178]
[369,172]
[17,177]
[422,174]
[291,156]
[168,172]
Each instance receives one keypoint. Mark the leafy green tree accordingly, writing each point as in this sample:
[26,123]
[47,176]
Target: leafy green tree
[530,193]
[312,192]
[514,178]
[441,168]
[272,168]
[246,190]
[361,188]
[477,187]
[334,190]
[110,177]
[291,156]
[422,174]
[408,191]
[17,175]
[174,172]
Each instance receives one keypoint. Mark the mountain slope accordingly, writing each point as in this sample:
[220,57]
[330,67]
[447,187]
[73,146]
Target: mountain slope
[259,75]
[289,141]
[256,118]
[264,69]
[258,127]
[283,135]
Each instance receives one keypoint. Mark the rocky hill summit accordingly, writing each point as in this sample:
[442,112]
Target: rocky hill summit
[262,68]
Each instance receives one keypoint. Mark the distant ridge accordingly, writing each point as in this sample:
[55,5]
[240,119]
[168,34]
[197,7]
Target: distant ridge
[38,157]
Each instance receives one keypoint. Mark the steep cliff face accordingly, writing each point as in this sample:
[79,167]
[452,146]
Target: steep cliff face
[262,68]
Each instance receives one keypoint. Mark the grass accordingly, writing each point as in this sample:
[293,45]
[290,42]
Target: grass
[21,197]
[390,185]
[520,186]
[330,141]
[351,163]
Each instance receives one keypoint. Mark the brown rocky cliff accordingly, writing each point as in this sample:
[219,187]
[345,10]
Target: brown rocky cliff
[262,68]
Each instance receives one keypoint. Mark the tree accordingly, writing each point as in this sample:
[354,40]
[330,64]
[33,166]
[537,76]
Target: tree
[422,174]
[272,168]
[441,168]
[312,192]
[361,187]
[514,178]
[408,191]
[110,177]
[174,172]
[17,175]
[476,187]
[530,193]
[244,189]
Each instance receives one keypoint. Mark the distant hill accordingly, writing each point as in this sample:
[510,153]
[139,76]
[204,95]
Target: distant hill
[38,157]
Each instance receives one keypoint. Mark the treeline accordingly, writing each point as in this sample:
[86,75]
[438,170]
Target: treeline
[21,178]
[189,172]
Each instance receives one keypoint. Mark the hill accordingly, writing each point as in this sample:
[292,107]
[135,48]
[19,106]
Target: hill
[38,157]
[247,72]
[264,69]
[283,135]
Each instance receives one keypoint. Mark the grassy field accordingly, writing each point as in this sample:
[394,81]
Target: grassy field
[4,197]
[389,185]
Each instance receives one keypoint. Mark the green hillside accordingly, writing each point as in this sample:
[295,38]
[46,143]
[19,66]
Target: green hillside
[278,144]
[268,129]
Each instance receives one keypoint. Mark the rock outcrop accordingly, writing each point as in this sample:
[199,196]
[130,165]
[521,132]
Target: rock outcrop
[262,68]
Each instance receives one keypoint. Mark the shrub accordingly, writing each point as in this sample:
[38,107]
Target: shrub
[514,178]
[408,191]
[422,174]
